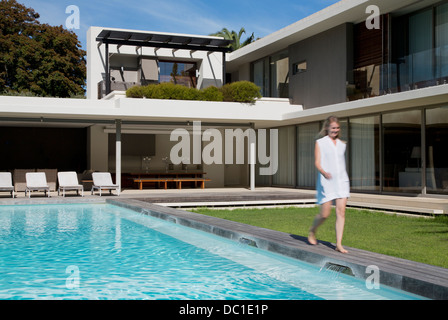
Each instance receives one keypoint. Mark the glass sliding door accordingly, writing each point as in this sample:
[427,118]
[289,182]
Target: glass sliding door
[364,153]
[436,146]
[271,74]
[441,37]
[279,76]
[402,151]
[421,46]
[264,179]
[285,175]
[260,74]
[306,139]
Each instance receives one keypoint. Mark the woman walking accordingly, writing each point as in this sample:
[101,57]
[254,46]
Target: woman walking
[332,180]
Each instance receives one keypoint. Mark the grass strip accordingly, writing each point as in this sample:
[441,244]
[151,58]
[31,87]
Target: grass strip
[419,239]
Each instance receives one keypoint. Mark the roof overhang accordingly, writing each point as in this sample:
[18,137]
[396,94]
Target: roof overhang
[265,113]
[33,111]
[163,40]
[428,97]
[345,11]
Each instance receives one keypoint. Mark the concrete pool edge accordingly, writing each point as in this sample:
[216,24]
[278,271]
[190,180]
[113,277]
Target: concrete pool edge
[413,277]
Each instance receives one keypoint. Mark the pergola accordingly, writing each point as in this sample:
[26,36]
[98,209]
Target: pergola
[155,40]
[161,40]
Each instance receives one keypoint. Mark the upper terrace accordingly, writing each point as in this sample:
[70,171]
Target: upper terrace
[119,59]
[409,51]
[375,61]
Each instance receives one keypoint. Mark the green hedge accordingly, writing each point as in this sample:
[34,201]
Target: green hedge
[241,91]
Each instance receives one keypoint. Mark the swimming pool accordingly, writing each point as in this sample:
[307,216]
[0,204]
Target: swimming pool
[101,251]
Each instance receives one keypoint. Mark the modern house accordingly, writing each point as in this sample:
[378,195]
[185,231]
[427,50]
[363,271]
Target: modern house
[381,66]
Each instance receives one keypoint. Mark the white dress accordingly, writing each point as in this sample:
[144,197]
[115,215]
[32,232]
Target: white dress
[332,160]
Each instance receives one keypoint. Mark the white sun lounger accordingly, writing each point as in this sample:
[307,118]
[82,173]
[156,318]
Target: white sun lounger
[68,180]
[103,181]
[36,181]
[6,182]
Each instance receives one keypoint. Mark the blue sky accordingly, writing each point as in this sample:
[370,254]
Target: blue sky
[201,17]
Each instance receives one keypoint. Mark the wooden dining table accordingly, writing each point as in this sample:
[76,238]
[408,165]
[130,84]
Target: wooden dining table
[163,177]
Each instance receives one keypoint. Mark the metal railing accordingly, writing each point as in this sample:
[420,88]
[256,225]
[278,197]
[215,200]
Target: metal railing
[419,70]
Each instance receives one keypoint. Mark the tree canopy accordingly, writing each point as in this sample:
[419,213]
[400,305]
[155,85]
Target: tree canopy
[37,58]
[234,37]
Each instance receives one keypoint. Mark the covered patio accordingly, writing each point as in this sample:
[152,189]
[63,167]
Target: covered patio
[103,135]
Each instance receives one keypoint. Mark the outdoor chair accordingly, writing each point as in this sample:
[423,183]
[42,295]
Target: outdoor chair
[36,181]
[103,181]
[6,182]
[68,180]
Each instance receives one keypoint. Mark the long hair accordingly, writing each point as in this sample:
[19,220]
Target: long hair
[326,126]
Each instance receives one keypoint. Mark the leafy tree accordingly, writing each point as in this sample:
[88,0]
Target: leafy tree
[235,37]
[38,58]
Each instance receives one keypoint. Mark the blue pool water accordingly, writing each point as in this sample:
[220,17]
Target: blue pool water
[100,251]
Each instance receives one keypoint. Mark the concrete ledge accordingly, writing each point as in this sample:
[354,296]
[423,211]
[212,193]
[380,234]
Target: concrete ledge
[398,203]
[418,278]
[395,208]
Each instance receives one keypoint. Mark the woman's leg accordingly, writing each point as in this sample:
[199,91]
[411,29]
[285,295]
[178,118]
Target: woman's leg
[340,222]
[325,210]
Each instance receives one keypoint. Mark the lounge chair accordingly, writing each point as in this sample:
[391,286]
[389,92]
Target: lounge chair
[68,180]
[103,181]
[36,181]
[6,182]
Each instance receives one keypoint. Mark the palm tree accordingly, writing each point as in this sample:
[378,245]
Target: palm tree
[235,37]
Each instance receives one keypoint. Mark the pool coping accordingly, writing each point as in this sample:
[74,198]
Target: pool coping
[413,277]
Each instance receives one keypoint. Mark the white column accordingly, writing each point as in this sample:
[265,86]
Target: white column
[118,154]
[252,164]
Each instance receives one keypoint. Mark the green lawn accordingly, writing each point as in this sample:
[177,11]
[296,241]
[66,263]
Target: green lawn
[413,238]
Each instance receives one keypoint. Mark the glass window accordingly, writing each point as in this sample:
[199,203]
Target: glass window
[420,46]
[286,158]
[442,41]
[436,144]
[264,179]
[299,67]
[419,49]
[306,140]
[402,151]
[261,76]
[271,74]
[178,73]
[279,75]
[364,155]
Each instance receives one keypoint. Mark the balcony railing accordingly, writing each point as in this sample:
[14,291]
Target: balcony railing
[123,86]
[114,86]
[423,69]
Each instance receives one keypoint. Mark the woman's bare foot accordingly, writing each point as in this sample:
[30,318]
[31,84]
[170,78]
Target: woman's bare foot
[341,249]
[312,238]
